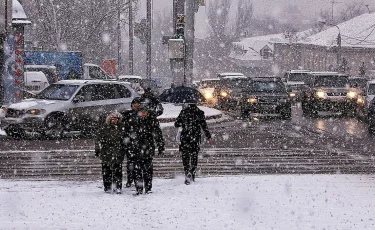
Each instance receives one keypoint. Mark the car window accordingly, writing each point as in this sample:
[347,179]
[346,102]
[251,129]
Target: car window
[88,93]
[301,77]
[107,91]
[96,73]
[331,81]
[58,92]
[123,91]
[208,84]
[266,86]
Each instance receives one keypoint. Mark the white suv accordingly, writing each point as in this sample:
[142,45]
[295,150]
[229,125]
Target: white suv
[67,105]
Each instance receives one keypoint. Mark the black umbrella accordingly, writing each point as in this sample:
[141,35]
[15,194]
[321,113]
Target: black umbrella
[181,95]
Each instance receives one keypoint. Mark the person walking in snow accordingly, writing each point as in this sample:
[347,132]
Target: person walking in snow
[128,117]
[143,133]
[192,120]
[109,148]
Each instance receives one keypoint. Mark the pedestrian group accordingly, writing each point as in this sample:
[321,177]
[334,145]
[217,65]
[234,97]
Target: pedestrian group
[137,135]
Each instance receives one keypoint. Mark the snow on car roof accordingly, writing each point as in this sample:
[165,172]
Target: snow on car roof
[235,77]
[371,82]
[210,79]
[231,74]
[300,71]
[328,74]
[81,82]
[40,66]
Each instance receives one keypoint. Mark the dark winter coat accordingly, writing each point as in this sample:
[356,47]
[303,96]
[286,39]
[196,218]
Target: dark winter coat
[192,120]
[109,145]
[142,134]
[153,103]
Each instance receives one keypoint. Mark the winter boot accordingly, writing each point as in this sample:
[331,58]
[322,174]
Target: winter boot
[128,184]
[118,191]
[188,179]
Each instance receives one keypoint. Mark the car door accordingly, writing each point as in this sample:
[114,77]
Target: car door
[84,109]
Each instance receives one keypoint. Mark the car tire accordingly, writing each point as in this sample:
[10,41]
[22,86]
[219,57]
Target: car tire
[54,126]
[306,109]
[371,129]
[16,133]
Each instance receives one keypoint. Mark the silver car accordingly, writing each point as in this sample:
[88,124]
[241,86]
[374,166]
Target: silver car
[67,105]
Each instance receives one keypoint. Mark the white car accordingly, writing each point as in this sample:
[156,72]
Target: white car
[230,74]
[35,81]
[67,105]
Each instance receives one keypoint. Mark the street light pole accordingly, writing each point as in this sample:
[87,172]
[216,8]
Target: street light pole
[189,40]
[131,38]
[148,39]
[118,38]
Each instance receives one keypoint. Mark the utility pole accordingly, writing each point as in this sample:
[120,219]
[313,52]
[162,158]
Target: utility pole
[189,40]
[118,38]
[148,39]
[333,2]
[338,48]
[131,39]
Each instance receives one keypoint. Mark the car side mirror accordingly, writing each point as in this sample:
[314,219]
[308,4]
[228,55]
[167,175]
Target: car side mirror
[78,99]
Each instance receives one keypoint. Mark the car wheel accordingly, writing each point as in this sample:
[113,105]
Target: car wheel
[54,126]
[306,110]
[16,133]
[371,129]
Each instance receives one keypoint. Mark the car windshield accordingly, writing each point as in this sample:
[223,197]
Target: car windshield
[208,84]
[332,81]
[265,86]
[302,77]
[58,92]
[371,89]
[357,82]
[234,82]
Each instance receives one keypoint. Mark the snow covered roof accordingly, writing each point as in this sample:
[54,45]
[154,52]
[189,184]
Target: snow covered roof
[357,32]
[18,14]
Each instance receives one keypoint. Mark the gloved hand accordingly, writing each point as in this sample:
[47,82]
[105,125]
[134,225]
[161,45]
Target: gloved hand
[161,151]
[97,151]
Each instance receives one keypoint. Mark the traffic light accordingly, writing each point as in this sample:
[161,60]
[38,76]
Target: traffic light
[180,26]
[180,31]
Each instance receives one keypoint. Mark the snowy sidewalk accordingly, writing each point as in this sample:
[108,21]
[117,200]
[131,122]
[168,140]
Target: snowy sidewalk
[283,202]
[172,111]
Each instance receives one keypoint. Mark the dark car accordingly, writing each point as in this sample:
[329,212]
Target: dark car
[263,97]
[223,91]
[371,117]
[296,82]
[330,91]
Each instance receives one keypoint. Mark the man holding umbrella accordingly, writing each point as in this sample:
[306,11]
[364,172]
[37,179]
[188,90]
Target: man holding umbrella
[192,120]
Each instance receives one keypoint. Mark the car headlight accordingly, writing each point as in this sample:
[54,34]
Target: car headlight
[252,100]
[208,95]
[224,94]
[351,94]
[36,111]
[360,101]
[292,94]
[321,94]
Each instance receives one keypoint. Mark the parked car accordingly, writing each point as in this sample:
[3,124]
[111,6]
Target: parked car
[224,89]
[35,82]
[296,82]
[371,117]
[330,91]
[262,97]
[207,88]
[364,100]
[67,105]
[49,70]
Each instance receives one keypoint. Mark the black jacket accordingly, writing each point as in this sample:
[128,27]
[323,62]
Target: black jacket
[153,103]
[109,143]
[192,121]
[141,135]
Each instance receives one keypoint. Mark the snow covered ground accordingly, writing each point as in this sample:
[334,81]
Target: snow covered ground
[245,202]
[172,111]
